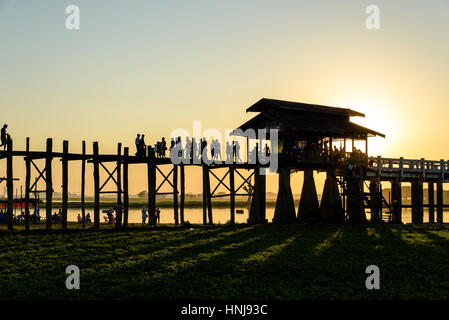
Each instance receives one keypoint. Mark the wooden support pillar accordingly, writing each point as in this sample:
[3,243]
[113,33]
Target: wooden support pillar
[205,174]
[95,161]
[309,208]
[65,181]
[27,185]
[440,201]
[9,183]
[285,205]
[431,201]
[331,210]
[183,192]
[83,184]
[175,194]
[257,211]
[366,145]
[355,201]
[151,168]
[375,203]
[118,218]
[232,194]
[208,198]
[396,200]
[49,183]
[125,188]
[417,201]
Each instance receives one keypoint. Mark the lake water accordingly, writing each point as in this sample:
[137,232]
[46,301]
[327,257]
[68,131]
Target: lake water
[220,215]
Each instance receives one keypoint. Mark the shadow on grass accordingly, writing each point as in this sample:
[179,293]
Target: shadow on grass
[224,262]
[223,274]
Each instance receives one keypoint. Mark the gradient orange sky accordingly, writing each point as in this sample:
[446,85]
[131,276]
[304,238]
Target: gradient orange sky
[154,66]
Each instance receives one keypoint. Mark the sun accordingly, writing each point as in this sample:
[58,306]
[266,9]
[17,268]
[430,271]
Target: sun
[379,116]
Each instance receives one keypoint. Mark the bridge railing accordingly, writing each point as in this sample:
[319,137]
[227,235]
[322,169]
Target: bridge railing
[408,165]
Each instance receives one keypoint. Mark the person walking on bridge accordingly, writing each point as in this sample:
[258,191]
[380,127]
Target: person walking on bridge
[4,136]
[138,145]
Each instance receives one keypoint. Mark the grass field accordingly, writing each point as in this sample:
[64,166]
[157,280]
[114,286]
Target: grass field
[227,262]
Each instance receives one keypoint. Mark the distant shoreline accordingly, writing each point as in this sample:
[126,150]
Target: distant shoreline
[163,203]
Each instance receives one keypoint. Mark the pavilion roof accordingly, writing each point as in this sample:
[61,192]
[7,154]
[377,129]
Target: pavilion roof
[306,119]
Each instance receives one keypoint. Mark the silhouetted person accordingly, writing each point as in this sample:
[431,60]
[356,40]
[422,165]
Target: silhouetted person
[228,152]
[144,215]
[4,136]
[157,147]
[142,146]
[137,145]
[218,150]
[163,146]
[212,149]
[158,215]
[188,147]
[110,216]
[237,152]
[191,148]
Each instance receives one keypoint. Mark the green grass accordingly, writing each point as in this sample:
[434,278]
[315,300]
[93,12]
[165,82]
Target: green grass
[227,262]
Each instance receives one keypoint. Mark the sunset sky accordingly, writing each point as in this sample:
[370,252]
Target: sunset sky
[154,66]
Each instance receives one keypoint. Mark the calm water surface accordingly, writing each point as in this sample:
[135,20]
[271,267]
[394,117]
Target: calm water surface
[220,215]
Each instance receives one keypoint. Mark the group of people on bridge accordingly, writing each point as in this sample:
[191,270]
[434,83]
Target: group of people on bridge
[318,151]
[159,148]
[190,149]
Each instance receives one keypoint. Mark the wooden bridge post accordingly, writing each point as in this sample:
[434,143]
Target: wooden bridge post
[257,211]
[151,168]
[49,183]
[27,185]
[417,201]
[208,198]
[125,188]
[396,199]
[355,200]
[309,208]
[183,192]
[118,217]
[95,161]
[440,201]
[232,194]
[175,194]
[379,166]
[375,203]
[83,184]
[331,210]
[423,169]
[284,211]
[205,174]
[65,180]
[431,200]
[9,183]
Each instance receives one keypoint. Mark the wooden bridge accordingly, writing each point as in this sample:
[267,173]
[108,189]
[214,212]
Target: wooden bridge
[408,169]
[308,136]
[240,184]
